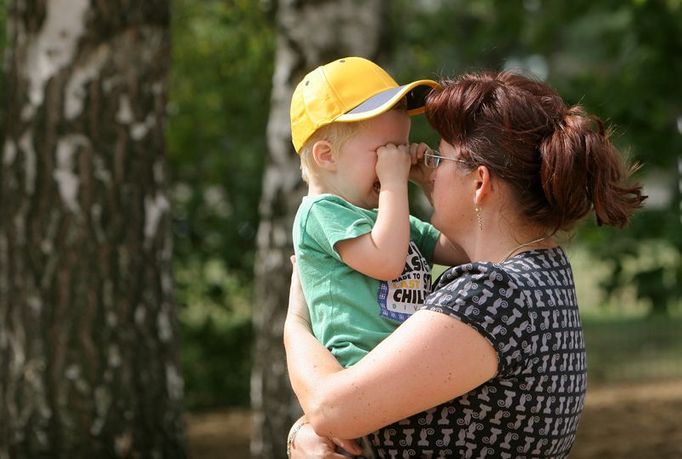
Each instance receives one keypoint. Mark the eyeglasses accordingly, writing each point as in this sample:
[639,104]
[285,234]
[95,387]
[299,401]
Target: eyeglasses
[432,159]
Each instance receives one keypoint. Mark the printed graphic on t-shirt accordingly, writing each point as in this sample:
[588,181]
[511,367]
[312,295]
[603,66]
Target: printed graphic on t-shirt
[399,299]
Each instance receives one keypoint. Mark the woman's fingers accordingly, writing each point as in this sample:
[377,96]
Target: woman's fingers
[309,445]
[417,151]
[351,446]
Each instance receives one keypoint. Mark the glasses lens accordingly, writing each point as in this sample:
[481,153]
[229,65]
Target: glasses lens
[431,159]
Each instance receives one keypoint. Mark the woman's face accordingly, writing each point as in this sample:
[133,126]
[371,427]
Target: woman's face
[453,196]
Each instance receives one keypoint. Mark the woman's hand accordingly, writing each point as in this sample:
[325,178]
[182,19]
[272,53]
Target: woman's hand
[304,443]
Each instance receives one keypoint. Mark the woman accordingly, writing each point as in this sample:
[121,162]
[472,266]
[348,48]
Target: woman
[494,364]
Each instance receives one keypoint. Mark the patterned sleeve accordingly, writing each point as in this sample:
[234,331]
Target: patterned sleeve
[483,296]
[332,220]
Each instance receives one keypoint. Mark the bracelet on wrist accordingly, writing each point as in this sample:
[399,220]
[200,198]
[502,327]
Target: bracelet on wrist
[292,436]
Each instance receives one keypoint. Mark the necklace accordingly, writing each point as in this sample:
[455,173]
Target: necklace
[525,244]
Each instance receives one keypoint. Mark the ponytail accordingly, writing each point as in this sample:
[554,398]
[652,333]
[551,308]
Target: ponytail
[581,170]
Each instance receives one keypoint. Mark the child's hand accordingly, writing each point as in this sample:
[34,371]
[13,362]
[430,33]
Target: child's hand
[393,164]
[419,173]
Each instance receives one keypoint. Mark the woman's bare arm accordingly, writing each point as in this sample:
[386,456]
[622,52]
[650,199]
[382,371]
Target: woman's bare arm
[428,360]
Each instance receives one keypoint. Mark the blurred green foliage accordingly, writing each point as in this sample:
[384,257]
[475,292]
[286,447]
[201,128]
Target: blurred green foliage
[216,335]
[219,94]
[221,74]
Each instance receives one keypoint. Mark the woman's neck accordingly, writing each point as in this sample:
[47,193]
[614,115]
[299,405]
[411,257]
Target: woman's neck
[502,240]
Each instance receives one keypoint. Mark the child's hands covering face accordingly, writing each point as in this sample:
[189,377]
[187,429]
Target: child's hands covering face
[393,164]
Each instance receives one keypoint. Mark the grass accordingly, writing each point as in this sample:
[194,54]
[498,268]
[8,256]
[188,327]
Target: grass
[633,349]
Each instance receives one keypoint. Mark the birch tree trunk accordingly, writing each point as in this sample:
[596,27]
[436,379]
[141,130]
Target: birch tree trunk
[309,34]
[88,334]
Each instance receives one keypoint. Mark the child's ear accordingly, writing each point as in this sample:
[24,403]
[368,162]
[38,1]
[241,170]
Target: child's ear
[323,155]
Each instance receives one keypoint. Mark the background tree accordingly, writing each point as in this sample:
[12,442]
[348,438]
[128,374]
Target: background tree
[309,34]
[88,354]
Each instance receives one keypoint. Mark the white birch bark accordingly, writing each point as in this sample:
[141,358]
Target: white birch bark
[84,235]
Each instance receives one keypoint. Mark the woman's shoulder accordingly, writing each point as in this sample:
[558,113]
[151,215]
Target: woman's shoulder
[486,281]
[458,276]
[467,289]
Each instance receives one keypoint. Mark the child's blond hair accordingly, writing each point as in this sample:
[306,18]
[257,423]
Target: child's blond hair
[337,134]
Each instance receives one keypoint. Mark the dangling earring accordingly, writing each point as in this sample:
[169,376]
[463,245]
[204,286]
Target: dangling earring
[478,217]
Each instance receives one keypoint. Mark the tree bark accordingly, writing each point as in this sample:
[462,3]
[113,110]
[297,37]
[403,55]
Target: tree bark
[88,332]
[310,33]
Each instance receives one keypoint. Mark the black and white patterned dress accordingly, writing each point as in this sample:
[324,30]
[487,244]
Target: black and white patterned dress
[526,307]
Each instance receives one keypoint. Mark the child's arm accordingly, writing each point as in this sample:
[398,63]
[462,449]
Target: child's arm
[381,253]
[448,254]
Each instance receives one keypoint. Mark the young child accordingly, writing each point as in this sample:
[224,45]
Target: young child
[363,261]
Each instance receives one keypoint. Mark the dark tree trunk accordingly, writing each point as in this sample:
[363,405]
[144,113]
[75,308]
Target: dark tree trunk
[88,332]
[309,34]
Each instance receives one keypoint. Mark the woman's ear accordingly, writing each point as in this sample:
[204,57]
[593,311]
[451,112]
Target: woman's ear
[323,155]
[482,184]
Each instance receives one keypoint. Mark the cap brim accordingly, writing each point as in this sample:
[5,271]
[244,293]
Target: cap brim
[414,92]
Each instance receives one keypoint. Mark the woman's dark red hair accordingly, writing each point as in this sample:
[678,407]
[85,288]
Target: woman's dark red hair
[559,160]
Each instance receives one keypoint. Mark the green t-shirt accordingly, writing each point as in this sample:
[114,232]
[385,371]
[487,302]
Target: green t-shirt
[350,312]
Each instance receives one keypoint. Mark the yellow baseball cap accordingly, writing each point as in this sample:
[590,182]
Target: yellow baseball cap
[347,90]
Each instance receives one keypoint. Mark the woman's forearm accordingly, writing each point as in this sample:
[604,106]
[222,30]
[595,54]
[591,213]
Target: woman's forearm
[319,381]
[429,359]
[302,348]
[307,380]
[321,385]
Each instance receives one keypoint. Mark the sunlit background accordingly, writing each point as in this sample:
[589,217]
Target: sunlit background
[621,59]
